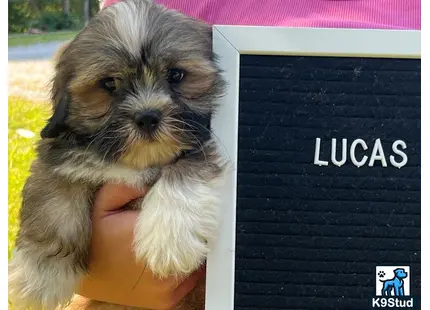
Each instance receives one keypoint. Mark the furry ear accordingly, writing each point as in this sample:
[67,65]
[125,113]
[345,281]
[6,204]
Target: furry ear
[59,95]
[57,123]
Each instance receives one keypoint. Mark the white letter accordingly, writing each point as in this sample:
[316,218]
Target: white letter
[377,149]
[317,160]
[398,152]
[352,152]
[333,153]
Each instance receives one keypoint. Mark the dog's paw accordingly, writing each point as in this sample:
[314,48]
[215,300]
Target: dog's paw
[170,250]
[36,288]
[174,227]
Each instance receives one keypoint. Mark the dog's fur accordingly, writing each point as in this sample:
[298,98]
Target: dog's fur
[92,139]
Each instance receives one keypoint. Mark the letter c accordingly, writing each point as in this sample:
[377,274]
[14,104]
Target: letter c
[352,152]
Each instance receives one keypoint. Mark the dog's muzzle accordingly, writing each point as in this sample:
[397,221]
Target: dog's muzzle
[147,121]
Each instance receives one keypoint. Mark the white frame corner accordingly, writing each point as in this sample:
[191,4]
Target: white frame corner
[229,42]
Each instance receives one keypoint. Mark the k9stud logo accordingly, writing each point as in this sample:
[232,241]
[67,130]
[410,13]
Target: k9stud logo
[392,281]
[393,287]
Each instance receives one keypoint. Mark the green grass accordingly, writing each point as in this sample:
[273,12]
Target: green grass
[23,114]
[27,39]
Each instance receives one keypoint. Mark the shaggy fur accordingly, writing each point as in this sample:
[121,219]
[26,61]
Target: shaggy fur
[133,57]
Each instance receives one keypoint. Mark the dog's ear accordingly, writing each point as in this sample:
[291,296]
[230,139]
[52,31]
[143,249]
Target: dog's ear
[57,123]
[60,98]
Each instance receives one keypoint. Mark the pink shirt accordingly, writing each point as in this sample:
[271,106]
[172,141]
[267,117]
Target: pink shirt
[379,14]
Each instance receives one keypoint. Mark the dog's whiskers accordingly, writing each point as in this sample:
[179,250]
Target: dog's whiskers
[190,135]
[214,135]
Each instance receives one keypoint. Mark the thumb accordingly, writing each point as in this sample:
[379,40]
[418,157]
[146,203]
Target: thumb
[112,197]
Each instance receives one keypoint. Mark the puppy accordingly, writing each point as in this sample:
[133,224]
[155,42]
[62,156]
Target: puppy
[132,96]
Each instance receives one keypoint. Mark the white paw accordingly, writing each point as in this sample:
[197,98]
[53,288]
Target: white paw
[33,287]
[175,225]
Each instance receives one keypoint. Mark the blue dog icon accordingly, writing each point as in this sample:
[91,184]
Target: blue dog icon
[396,283]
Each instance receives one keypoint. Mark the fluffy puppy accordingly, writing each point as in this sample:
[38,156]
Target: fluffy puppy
[132,96]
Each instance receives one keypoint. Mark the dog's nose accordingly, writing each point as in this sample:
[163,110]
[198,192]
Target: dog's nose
[147,120]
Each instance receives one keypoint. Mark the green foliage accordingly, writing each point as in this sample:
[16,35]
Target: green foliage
[77,7]
[47,14]
[19,12]
[54,21]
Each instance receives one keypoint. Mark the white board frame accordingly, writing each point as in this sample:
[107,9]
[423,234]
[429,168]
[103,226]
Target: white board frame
[229,42]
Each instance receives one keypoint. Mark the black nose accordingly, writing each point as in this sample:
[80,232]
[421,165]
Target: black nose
[147,120]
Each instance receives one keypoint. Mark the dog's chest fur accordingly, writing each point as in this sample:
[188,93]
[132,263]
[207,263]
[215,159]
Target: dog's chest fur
[83,166]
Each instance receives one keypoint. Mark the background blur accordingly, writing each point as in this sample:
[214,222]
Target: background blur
[37,28]
[50,15]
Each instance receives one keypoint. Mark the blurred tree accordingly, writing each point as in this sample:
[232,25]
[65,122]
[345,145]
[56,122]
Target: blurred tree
[34,5]
[66,7]
[86,4]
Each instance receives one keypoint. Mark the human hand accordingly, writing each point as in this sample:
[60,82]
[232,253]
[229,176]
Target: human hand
[115,276]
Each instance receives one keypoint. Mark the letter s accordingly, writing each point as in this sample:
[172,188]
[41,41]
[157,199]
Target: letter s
[400,153]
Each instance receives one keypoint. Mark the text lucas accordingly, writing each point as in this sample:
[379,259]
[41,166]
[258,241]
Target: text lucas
[377,154]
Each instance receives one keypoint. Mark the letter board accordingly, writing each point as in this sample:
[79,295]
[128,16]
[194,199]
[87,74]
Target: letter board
[326,185]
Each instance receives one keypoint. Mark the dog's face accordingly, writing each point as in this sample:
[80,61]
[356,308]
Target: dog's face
[400,273]
[137,85]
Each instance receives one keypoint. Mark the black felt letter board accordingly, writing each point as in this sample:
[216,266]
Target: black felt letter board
[309,236]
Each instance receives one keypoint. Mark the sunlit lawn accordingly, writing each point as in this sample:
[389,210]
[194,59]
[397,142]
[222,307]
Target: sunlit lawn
[28,115]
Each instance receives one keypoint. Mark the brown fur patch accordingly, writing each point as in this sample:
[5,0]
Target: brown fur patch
[91,103]
[199,79]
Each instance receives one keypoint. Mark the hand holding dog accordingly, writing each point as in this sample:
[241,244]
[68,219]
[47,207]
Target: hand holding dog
[115,277]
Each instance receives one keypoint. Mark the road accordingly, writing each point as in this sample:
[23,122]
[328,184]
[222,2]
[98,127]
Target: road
[34,52]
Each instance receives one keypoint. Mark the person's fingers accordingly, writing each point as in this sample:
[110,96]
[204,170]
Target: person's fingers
[114,196]
[188,285]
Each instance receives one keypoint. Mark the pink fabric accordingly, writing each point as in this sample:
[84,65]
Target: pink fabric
[376,14]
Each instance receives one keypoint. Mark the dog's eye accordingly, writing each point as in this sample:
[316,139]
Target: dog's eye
[175,75]
[109,84]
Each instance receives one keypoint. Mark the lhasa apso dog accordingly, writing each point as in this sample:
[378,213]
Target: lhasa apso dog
[132,96]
